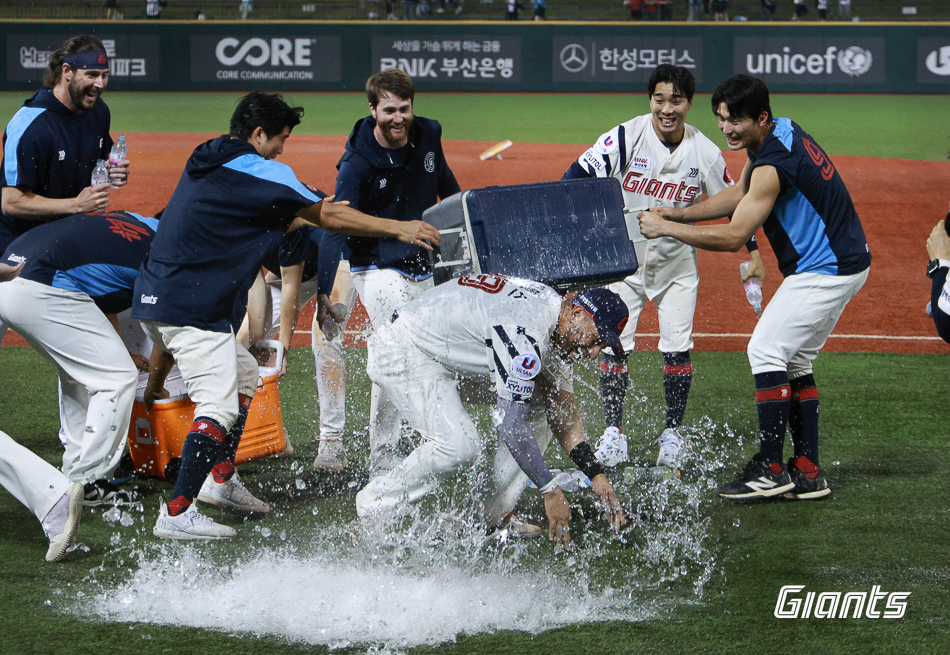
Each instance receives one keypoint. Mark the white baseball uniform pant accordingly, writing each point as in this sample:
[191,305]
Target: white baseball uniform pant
[30,478]
[798,319]
[214,365]
[675,308]
[328,359]
[382,292]
[427,394]
[96,374]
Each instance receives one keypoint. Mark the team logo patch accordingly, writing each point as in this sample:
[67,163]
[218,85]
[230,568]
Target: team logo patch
[640,162]
[593,160]
[430,162]
[127,231]
[693,172]
[726,177]
[62,155]
[382,183]
[526,366]
[607,145]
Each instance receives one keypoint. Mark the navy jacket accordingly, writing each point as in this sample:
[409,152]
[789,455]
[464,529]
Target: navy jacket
[399,184]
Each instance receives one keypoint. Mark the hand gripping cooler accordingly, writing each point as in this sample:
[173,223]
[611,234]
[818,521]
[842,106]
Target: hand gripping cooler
[567,234]
[156,438]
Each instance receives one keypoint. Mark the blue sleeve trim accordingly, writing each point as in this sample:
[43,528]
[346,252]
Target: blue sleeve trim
[96,279]
[784,132]
[271,171]
[145,220]
[16,128]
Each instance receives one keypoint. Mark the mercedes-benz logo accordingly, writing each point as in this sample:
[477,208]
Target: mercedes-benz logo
[573,58]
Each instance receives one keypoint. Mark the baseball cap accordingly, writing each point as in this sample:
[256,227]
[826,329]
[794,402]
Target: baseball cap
[609,312]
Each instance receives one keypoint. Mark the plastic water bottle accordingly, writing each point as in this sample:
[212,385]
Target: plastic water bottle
[753,288]
[332,329]
[120,150]
[100,174]
[637,474]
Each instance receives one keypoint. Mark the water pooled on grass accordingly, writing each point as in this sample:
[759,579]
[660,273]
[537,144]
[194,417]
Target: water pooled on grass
[432,577]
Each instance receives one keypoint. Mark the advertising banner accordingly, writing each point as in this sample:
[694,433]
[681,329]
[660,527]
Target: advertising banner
[456,59]
[622,59]
[132,59]
[840,61]
[933,62]
[294,61]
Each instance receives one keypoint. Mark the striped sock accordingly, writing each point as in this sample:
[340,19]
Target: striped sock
[203,447]
[677,379]
[803,417]
[773,397]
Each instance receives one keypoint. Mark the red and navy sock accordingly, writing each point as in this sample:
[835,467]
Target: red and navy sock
[773,397]
[677,379]
[224,470]
[614,377]
[803,417]
[204,446]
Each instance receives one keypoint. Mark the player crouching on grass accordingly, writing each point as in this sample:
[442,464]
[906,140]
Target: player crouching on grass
[791,189]
[232,206]
[519,336]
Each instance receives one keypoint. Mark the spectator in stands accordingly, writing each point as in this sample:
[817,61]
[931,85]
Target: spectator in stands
[247,6]
[666,9]
[822,9]
[720,10]
[512,9]
[694,9]
[200,15]
[456,3]
[409,9]
[938,247]
[801,8]
[636,9]
[112,10]
[651,10]
[768,8]
[153,9]
[844,9]
[540,8]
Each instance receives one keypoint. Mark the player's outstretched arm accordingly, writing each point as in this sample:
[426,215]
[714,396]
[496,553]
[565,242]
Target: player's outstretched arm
[339,217]
[21,202]
[159,365]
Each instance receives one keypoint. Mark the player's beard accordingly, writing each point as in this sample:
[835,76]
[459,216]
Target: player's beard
[78,95]
[392,139]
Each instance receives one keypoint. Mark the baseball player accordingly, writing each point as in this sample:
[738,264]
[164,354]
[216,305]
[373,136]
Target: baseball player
[518,336]
[273,306]
[938,247]
[790,187]
[51,144]
[77,271]
[232,206]
[393,167]
[660,162]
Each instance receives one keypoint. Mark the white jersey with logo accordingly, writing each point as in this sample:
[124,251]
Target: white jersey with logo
[652,176]
[490,325]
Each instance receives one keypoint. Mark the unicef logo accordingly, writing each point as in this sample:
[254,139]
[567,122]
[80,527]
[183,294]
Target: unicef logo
[854,61]
[573,58]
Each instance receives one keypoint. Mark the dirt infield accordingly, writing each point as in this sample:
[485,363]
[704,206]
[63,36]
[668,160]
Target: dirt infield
[899,202]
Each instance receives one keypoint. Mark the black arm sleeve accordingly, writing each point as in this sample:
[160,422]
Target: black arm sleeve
[515,431]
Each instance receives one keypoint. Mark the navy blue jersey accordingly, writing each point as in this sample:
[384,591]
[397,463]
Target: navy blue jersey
[399,184]
[302,245]
[95,254]
[52,151]
[813,227]
[231,207]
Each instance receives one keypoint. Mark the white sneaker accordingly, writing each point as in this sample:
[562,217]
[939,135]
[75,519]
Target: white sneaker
[331,456]
[518,529]
[612,447]
[670,443]
[231,494]
[190,524]
[62,522]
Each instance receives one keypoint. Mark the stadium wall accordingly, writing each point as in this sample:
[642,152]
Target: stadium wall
[574,57]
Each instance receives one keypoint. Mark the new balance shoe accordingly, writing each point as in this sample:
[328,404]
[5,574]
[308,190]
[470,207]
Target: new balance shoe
[612,447]
[62,522]
[670,444]
[190,524]
[103,492]
[807,486]
[331,456]
[759,479]
[230,494]
[518,529]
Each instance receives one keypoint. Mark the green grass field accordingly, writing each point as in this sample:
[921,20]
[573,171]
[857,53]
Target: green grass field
[884,429]
[867,125]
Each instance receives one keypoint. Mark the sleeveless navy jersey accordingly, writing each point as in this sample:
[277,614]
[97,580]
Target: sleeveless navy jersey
[51,150]
[95,254]
[231,207]
[813,227]
[399,184]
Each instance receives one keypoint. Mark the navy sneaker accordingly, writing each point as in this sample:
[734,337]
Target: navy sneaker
[103,492]
[758,480]
[806,488]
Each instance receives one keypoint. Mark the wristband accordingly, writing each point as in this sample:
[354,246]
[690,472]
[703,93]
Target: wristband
[586,461]
[752,245]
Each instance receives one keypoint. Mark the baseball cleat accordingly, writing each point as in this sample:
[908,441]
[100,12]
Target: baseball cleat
[331,456]
[806,487]
[190,524]
[62,522]
[230,494]
[758,480]
[612,447]
[670,444]
[103,492]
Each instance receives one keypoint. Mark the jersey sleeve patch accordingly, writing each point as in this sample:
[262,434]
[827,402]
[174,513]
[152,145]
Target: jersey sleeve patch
[944,301]
[525,366]
[592,159]
[607,144]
